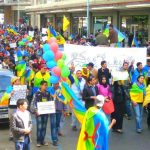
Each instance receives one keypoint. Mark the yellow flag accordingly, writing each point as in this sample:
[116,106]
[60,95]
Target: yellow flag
[65,23]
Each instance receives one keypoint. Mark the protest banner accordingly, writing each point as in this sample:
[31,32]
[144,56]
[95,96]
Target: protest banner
[19,92]
[115,57]
[46,107]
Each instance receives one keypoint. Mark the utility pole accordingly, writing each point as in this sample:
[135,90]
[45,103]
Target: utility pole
[88,16]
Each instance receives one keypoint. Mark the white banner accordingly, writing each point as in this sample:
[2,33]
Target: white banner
[13,45]
[19,92]
[115,57]
[46,107]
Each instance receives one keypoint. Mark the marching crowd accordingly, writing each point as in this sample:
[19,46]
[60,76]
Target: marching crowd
[87,83]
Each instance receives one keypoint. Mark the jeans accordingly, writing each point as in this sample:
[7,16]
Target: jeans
[41,128]
[138,110]
[128,108]
[23,145]
[74,120]
[55,124]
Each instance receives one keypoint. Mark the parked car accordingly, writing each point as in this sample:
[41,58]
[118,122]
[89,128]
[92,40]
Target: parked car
[5,81]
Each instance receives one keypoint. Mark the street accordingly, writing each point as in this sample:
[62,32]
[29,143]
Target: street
[129,140]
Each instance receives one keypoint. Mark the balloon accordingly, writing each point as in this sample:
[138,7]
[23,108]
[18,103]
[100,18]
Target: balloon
[54,47]
[60,63]
[64,56]
[65,72]
[54,79]
[28,37]
[51,64]
[25,36]
[51,40]
[56,71]
[58,55]
[24,40]
[48,55]
[29,44]
[46,47]
[21,43]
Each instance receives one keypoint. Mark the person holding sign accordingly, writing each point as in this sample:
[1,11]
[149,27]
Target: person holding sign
[11,107]
[61,108]
[21,126]
[41,119]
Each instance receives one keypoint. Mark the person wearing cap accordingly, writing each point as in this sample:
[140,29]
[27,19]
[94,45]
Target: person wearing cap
[93,71]
[12,108]
[41,75]
[99,127]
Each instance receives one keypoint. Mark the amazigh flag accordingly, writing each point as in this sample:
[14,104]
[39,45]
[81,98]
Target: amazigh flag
[147,97]
[137,93]
[121,36]
[76,104]
[21,68]
[135,42]
[5,98]
[65,23]
[94,132]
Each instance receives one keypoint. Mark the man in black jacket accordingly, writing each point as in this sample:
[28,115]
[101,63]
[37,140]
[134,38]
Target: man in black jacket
[104,71]
[90,92]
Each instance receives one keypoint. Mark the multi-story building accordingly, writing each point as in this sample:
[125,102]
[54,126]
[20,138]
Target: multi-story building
[127,15]
[14,10]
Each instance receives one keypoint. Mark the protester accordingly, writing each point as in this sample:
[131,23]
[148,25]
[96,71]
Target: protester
[137,94]
[113,36]
[21,126]
[90,92]
[93,71]
[11,107]
[77,85]
[127,85]
[55,118]
[42,95]
[138,71]
[119,103]
[104,71]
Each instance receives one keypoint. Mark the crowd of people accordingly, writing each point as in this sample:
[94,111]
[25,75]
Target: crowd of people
[87,83]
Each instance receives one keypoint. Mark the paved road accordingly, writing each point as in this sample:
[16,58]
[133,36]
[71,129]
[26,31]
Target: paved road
[130,140]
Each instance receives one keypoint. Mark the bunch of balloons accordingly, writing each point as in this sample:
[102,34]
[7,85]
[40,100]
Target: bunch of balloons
[55,61]
[26,41]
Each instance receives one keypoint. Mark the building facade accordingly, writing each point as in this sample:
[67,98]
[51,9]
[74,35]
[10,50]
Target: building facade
[132,16]
[13,11]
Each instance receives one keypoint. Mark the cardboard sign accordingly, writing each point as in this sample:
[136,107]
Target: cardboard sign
[13,45]
[120,75]
[46,107]
[31,33]
[20,92]
[44,30]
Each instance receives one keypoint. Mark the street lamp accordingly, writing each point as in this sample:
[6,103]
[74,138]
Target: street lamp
[88,16]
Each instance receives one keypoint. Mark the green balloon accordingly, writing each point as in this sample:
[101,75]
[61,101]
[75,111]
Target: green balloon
[28,37]
[64,57]
[65,72]
[21,43]
[60,63]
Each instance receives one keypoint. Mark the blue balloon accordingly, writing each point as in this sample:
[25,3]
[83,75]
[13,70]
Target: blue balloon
[48,55]
[46,47]
[51,64]
[54,79]
[9,89]
[24,40]
[29,44]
